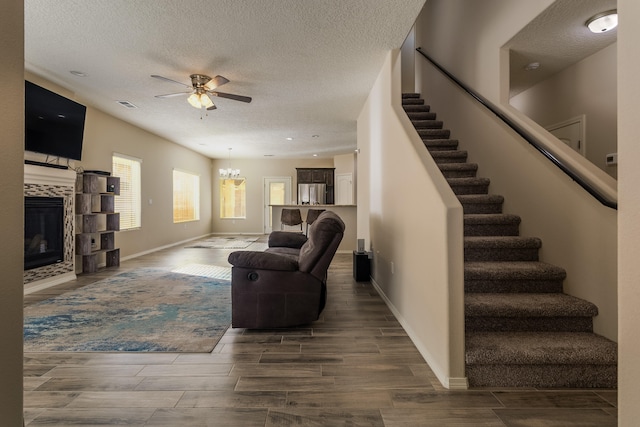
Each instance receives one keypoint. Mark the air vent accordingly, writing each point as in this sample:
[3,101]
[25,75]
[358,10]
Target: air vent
[126,104]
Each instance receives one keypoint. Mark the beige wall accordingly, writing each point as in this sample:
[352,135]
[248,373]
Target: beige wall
[11,209]
[105,135]
[417,264]
[578,233]
[588,87]
[629,212]
[254,171]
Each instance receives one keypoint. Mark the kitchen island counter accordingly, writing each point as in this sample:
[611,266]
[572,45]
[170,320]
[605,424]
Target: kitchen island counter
[348,214]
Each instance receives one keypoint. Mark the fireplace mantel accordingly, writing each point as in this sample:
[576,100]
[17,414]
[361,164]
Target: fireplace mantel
[41,181]
[49,176]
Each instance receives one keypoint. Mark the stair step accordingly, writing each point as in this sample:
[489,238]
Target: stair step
[517,277]
[491,225]
[474,185]
[481,203]
[541,359]
[501,248]
[551,312]
[454,156]
[427,124]
[420,115]
[458,170]
[416,108]
[412,101]
[440,144]
[410,95]
[434,133]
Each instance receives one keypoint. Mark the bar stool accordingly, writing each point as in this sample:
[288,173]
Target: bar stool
[290,217]
[312,215]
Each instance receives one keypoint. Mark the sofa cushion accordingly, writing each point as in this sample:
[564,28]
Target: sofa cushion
[286,239]
[262,261]
[322,233]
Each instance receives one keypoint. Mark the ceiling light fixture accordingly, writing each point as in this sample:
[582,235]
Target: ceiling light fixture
[78,73]
[603,22]
[229,173]
[199,100]
[532,66]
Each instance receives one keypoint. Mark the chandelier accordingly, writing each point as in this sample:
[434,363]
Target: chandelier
[229,173]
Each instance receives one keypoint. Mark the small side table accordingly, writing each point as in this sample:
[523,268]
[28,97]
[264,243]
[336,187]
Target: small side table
[361,266]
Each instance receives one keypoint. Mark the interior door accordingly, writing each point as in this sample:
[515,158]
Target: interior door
[571,132]
[344,189]
[277,191]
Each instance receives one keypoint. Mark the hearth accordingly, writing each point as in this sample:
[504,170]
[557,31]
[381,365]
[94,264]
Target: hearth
[43,231]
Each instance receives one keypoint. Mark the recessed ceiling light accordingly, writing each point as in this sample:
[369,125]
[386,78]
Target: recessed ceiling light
[315,155]
[603,22]
[289,139]
[78,73]
[532,66]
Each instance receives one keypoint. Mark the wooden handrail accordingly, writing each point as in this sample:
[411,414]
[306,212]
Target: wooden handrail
[531,139]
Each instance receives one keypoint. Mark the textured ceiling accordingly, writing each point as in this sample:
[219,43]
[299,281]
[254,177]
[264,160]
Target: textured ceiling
[557,39]
[308,65]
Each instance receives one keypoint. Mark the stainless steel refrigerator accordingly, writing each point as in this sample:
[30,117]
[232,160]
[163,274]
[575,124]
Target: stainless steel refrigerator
[312,194]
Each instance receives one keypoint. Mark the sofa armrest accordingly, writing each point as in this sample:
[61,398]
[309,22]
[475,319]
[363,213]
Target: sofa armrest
[262,261]
[286,239]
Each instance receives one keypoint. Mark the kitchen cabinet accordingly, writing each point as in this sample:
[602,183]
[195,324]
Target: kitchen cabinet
[318,176]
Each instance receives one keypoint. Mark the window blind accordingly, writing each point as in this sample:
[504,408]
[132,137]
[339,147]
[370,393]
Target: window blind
[186,196]
[129,202]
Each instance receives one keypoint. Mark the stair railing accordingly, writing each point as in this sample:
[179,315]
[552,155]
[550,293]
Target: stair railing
[535,142]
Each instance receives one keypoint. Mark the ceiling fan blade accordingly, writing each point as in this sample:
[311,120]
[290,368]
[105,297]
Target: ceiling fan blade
[231,96]
[216,82]
[169,95]
[155,76]
[213,107]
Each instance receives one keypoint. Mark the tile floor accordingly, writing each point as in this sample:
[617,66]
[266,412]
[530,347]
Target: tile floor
[356,366]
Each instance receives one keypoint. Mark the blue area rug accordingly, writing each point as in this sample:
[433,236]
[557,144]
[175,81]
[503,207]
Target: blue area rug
[143,310]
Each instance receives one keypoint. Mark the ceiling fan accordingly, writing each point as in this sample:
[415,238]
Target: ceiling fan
[201,88]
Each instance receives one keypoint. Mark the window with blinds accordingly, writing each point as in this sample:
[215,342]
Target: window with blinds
[233,195]
[129,202]
[186,196]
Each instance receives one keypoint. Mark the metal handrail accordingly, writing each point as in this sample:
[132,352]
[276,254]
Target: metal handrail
[526,136]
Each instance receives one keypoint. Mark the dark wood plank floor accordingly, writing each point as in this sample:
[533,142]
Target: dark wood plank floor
[356,366]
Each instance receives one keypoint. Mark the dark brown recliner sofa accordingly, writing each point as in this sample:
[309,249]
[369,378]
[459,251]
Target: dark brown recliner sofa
[285,285]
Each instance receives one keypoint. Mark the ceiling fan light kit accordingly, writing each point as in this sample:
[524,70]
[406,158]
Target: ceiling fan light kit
[200,100]
[201,89]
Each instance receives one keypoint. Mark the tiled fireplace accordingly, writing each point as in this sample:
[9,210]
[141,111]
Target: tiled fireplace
[53,183]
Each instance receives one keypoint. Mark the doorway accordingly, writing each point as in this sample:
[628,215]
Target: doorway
[277,191]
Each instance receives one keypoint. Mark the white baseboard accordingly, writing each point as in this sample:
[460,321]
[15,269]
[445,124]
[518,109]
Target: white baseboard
[451,383]
[170,245]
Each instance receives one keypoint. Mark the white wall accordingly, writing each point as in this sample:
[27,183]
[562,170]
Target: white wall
[414,227]
[588,87]
[11,209]
[578,233]
[629,212]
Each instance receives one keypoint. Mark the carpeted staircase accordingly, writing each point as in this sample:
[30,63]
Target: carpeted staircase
[521,329]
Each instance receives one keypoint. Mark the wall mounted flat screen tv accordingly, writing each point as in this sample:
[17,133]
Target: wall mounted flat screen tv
[54,125]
